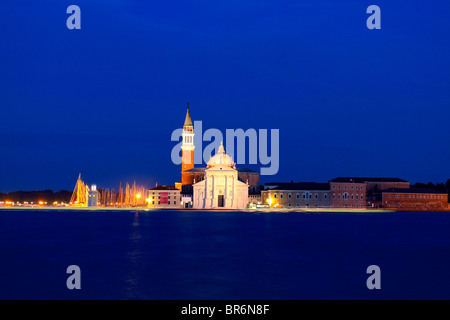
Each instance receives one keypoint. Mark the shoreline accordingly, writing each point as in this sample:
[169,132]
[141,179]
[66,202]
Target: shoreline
[264,210]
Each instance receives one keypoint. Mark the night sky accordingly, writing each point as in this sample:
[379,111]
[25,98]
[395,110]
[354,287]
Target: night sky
[105,99]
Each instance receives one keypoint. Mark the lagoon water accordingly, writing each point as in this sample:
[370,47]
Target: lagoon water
[223,255]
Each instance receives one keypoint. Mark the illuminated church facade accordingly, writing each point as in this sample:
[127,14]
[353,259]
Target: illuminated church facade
[221,187]
[220,184]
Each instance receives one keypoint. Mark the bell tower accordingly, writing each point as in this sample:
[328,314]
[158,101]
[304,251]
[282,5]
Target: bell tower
[187,148]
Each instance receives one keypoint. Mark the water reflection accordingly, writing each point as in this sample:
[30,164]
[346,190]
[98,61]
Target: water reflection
[134,257]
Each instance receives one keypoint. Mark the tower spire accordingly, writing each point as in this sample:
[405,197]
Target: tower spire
[188,120]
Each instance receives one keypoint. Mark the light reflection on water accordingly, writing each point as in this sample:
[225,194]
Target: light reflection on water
[132,281]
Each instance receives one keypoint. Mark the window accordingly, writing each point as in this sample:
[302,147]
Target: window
[316,196]
[298,195]
[304,196]
[289,205]
[339,196]
[168,202]
[325,195]
[334,187]
[281,196]
[356,187]
[356,197]
[289,196]
[345,187]
[334,196]
[298,204]
[339,187]
[352,188]
[275,195]
[362,197]
[174,202]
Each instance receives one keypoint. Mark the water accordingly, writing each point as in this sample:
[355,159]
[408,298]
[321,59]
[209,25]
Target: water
[223,255]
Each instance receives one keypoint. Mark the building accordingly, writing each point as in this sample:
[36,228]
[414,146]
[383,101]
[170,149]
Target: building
[164,197]
[220,187]
[244,174]
[187,161]
[414,199]
[361,192]
[254,198]
[296,195]
[93,196]
[187,149]
[191,175]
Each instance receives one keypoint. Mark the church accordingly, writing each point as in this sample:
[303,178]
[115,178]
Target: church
[220,184]
[221,187]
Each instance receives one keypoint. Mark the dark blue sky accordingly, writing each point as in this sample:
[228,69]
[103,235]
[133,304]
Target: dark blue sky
[105,99]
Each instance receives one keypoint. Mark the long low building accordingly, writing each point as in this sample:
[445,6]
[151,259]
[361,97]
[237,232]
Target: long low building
[361,192]
[414,199]
[295,195]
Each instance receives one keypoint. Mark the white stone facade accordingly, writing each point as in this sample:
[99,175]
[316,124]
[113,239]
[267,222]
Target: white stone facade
[221,187]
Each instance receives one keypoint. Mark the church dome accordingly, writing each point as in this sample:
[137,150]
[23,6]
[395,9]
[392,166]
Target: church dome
[221,158]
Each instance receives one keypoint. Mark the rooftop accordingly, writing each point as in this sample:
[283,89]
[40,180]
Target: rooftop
[366,179]
[164,187]
[196,170]
[412,190]
[296,186]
